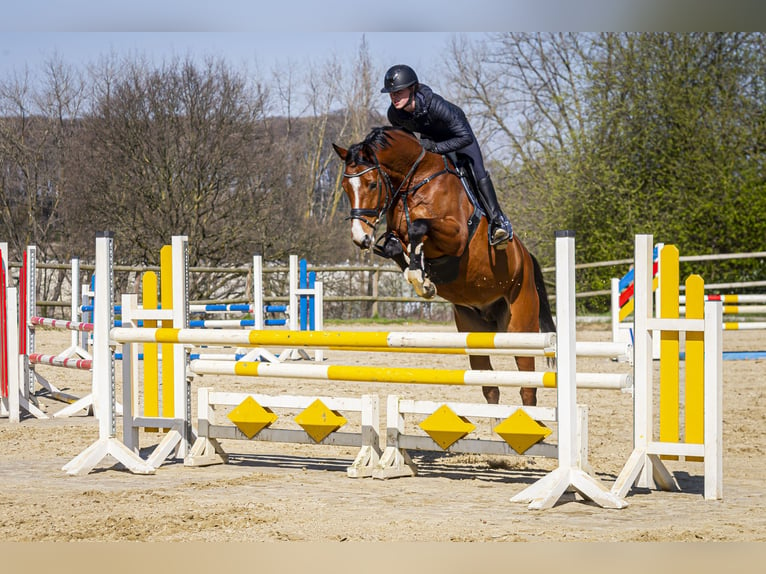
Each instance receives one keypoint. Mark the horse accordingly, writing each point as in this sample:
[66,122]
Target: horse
[438,237]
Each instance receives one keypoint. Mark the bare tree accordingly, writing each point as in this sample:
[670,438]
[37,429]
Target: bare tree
[360,104]
[38,125]
[174,150]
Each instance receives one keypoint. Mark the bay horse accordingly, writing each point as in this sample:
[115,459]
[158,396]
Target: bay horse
[435,235]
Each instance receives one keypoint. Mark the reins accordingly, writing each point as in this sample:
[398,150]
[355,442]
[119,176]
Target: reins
[392,197]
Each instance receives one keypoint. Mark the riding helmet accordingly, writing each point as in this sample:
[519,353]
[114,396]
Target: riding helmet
[397,78]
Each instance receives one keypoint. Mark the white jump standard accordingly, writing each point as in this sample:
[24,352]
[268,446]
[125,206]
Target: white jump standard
[103,372]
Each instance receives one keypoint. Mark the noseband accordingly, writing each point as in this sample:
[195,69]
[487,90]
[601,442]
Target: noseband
[363,214]
[391,196]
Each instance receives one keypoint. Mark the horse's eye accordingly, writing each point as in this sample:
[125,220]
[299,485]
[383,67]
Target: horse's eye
[374,185]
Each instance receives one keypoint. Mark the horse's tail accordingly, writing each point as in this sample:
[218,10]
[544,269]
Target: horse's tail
[545,316]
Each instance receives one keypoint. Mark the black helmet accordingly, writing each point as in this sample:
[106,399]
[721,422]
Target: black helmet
[397,78]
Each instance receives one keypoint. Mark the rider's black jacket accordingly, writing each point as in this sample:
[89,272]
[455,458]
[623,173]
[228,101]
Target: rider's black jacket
[436,119]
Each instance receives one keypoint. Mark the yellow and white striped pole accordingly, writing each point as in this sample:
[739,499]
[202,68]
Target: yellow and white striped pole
[335,339]
[406,375]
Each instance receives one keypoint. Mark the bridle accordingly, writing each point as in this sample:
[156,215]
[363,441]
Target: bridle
[383,204]
[362,214]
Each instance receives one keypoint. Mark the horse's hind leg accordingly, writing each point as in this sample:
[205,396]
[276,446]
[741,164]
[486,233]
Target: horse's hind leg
[524,320]
[528,395]
[469,320]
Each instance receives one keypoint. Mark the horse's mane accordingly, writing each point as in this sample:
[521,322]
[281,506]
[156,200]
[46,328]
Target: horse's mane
[379,138]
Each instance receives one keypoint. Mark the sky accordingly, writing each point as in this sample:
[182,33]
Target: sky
[272,32]
[421,50]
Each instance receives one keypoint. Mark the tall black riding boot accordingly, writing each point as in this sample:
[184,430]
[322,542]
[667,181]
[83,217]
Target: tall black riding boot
[500,228]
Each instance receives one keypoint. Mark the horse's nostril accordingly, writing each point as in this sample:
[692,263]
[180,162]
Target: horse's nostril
[363,243]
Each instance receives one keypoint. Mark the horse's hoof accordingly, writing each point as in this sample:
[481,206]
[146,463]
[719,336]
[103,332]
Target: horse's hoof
[429,291]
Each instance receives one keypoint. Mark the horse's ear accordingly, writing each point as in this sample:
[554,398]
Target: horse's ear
[342,153]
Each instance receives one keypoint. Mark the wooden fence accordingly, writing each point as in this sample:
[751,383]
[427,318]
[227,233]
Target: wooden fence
[350,291]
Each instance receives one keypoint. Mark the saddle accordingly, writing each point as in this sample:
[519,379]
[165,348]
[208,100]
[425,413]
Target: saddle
[468,179]
[446,268]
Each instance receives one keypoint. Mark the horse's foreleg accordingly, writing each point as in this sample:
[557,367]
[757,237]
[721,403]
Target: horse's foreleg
[415,273]
[391,246]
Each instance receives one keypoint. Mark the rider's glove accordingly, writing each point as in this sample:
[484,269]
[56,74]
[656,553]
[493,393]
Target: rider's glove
[428,144]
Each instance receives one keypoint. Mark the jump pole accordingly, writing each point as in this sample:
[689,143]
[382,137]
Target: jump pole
[176,397]
[19,394]
[333,339]
[300,294]
[79,339]
[4,355]
[11,398]
[408,375]
[622,331]
[645,467]
[258,292]
[29,320]
[103,375]
[548,490]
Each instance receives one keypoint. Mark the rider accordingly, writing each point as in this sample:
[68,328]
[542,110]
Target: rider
[443,128]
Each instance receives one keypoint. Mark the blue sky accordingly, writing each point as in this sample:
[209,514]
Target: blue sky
[421,50]
[271,33]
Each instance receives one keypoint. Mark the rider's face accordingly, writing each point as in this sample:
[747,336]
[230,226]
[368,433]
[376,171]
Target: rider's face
[401,98]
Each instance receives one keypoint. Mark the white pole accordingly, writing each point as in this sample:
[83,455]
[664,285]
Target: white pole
[643,468]
[181,388]
[28,389]
[644,351]
[75,307]
[657,293]
[4,402]
[318,316]
[103,319]
[15,361]
[294,308]
[258,292]
[565,351]
[616,336]
[548,490]
[713,433]
[104,403]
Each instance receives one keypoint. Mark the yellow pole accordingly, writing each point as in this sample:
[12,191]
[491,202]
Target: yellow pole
[166,298]
[151,359]
[694,386]
[669,348]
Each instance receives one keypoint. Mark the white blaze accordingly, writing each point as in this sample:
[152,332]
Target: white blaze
[357,228]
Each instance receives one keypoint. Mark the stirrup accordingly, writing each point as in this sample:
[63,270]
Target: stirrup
[501,234]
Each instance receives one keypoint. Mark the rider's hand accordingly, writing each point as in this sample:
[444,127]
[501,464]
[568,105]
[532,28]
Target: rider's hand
[428,144]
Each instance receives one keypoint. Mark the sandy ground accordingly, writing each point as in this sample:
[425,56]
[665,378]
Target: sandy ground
[278,492]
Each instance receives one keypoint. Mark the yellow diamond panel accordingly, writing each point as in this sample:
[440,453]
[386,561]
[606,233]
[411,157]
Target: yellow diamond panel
[445,427]
[521,431]
[318,421]
[251,418]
